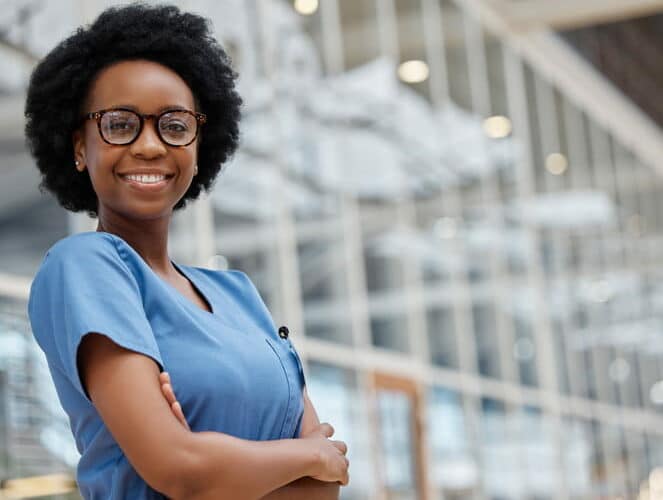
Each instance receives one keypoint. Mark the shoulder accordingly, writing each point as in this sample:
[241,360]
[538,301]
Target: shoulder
[87,245]
[79,258]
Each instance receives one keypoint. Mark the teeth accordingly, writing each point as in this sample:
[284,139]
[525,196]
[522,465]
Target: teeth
[146,179]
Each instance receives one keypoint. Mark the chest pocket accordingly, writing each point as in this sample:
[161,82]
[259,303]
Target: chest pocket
[294,374]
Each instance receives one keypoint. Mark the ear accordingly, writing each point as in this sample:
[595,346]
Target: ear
[78,140]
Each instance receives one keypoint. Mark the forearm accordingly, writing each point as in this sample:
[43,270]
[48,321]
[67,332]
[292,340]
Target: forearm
[306,488]
[218,466]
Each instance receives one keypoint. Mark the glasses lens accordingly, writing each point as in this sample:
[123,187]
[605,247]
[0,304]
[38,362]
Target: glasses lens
[178,128]
[119,127]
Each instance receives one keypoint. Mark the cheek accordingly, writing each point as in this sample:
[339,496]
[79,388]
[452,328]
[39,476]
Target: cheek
[186,159]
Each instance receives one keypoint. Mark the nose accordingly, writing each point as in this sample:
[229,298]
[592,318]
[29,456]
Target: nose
[148,144]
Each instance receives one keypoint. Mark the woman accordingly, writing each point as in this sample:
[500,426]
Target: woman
[128,119]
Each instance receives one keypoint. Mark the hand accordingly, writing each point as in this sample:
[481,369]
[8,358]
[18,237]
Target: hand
[175,406]
[332,462]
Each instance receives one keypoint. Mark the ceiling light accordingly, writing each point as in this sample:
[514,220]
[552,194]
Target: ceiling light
[497,127]
[556,163]
[306,7]
[414,71]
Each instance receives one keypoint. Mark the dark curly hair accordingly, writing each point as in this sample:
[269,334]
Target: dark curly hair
[60,83]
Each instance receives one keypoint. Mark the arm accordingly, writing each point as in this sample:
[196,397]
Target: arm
[182,464]
[307,488]
[304,488]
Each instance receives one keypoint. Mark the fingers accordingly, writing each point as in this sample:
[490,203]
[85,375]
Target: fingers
[169,394]
[341,446]
[177,410]
[325,429]
[167,390]
[346,476]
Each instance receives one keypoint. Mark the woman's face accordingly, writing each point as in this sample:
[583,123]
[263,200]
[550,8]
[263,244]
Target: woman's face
[148,88]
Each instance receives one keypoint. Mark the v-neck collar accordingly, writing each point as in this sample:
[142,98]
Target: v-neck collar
[195,285]
[174,290]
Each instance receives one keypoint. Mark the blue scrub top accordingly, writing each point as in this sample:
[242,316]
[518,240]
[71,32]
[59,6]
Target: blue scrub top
[230,369]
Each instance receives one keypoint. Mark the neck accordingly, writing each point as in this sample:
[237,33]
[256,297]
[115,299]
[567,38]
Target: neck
[148,237]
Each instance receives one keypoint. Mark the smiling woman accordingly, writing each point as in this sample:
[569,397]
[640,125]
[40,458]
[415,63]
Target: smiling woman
[128,119]
[133,168]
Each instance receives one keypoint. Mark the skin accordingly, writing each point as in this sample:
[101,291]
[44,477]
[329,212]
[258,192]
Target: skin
[147,422]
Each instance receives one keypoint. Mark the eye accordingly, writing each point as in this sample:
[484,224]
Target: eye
[175,126]
[120,125]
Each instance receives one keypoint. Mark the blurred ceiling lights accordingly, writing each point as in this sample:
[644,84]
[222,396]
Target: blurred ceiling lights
[497,127]
[306,7]
[556,163]
[414,71]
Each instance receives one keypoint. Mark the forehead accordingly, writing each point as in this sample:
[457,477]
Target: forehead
[146,85]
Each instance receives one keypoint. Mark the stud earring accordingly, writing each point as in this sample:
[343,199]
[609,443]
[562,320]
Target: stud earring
[77,163]
[195,169]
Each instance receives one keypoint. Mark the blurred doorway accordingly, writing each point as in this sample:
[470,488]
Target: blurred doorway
[399,438]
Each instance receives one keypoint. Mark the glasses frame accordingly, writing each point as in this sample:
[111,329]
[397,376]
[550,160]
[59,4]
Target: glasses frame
[97,115]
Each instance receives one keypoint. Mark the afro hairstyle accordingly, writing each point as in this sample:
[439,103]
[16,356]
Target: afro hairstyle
[60,83]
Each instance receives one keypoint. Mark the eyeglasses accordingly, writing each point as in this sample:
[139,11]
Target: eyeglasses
[121,127]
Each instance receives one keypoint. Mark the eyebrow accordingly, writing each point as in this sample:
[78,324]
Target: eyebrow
[169,107]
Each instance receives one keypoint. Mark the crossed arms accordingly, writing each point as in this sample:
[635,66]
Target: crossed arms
[147,424]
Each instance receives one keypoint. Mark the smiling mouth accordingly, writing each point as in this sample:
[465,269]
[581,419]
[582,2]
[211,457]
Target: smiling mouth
[150,182]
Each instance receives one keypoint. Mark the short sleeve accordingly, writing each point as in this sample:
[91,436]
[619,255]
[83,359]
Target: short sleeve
[84,286]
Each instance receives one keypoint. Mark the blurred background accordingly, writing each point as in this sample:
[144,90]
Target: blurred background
[456,207]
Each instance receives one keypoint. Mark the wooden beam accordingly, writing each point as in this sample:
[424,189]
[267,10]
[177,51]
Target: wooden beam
[569,14]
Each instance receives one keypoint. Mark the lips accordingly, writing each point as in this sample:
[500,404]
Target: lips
[146,181]
[146,172]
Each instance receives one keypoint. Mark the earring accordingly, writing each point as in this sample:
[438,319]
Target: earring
[195,169]
[77,163]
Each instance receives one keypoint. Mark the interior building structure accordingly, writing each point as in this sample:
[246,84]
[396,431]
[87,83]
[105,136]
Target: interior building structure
[455,205]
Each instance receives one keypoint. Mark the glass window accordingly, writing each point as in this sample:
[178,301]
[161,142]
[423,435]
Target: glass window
[454,471]
[397,444]
[337,400]
[361,39]
[25,236]
[323,285]
[487,346]
[501,465]
[616,460]
[390,332]
[442,337]
[383,251]
[576,449]
[561,362]
[456,54]
[536,436]
[33,425]
[524,349]
[638,461]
